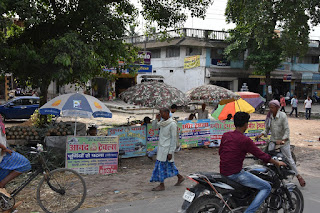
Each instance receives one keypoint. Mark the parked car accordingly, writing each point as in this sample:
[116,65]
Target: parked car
[21,107]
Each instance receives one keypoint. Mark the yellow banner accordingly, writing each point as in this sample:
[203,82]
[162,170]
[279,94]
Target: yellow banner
[191,62]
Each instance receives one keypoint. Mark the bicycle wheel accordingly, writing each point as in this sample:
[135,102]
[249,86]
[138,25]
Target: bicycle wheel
[66,193]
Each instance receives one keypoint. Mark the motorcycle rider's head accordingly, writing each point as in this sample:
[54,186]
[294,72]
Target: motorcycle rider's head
[241,120]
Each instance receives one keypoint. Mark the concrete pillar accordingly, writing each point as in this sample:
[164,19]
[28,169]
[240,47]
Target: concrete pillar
[235,85]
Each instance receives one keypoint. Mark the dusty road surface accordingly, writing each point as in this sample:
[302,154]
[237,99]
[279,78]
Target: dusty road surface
[132,180]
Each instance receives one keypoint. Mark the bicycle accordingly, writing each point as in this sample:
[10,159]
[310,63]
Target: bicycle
[60,190]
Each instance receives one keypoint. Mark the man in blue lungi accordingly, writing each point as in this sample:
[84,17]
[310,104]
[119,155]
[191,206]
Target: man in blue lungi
[165,167]
[12,164]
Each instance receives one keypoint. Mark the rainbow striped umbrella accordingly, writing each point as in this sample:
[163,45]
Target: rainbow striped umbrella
[254,99]
[240,105]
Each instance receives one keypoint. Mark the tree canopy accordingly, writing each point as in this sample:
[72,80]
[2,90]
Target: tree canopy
[69,40]
[270,31]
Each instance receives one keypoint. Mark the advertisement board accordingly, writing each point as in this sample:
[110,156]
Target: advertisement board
[92,154]
[132,140]
[195,133]
[217,129]
[191,62]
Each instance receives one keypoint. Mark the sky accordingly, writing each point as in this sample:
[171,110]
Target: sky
[215,20]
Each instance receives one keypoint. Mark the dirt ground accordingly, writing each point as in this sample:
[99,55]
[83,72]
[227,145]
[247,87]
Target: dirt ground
[132,180]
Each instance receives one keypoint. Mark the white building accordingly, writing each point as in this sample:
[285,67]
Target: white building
[300,77]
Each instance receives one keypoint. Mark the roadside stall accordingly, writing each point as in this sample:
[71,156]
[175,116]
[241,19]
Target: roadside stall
[85,154]
[133,139]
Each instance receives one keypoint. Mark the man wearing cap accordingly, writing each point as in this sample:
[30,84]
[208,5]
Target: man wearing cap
[277,124]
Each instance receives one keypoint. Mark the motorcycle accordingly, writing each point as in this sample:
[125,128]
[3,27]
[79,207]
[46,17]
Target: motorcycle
[262,109]
[216,193]
[316,98]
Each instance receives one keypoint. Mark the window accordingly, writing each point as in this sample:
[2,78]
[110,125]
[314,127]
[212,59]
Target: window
[154,71]
[17,102]
[315,60]
[193,51]
[217,53]
[308,60]
[172,52]
[35,101]
[156,53]
[26,102]
[171,70]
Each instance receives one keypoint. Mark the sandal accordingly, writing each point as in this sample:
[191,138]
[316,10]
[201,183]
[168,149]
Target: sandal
[180,181]
[158,189]
[302,181]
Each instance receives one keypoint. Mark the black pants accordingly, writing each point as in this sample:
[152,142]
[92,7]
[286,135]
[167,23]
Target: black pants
[294,109]
[283,109]
[308,113]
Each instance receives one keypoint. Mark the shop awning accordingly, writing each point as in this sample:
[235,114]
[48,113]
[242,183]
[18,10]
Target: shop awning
[310,78]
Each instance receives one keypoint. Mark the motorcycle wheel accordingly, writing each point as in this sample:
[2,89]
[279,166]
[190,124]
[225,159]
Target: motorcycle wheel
[298,202]
[206,203]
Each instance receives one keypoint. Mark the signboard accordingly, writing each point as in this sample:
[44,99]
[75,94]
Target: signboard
[217,129]
[262,81]
[287,78]
[142,68]
[220,62]
[255,127]
[191,62]
[114,70]
[153,136]
[132,140]
[145,57]
[195,133]
[92,154]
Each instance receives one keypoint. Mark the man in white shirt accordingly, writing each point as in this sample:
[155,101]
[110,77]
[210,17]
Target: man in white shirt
[202,113]
[307,106]
[173,109]
[165,167]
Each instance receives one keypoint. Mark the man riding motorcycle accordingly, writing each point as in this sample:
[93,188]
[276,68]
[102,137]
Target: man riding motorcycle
[233,149]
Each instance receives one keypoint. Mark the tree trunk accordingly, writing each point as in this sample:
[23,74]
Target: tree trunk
[43,99]
[43,94]
[268,83]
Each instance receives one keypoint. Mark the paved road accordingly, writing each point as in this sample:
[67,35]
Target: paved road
[173,203]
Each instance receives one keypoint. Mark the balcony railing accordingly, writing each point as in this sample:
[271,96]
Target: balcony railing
[181,33]
[313,43]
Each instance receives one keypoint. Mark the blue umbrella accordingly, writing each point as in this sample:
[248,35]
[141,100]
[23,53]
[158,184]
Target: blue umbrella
[76,105]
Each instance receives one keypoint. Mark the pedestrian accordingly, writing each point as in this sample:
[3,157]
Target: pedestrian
[173,109]
[92,130]
[277,124]
[288,94]
[202,113]
[192,116]
[307,106]
[229,117]
[164,166]
[294,104]
[146,121]
[12,164]
[282,103]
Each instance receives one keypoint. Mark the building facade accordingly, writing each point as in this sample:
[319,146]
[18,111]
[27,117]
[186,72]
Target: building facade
[299,76]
